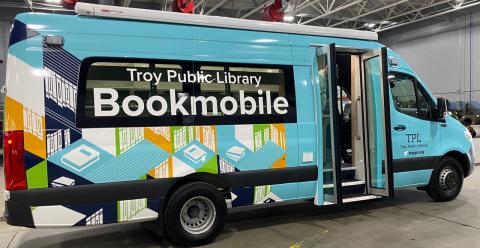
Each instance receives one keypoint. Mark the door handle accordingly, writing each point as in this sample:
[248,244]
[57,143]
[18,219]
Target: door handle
[357,135]
[400,127]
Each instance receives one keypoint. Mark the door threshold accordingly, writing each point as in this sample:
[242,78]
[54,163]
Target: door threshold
[360,198]
[344,184]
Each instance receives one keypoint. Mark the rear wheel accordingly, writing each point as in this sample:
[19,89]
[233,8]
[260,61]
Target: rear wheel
[447,180]
[195,214]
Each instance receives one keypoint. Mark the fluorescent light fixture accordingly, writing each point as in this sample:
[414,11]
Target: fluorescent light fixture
[54,1]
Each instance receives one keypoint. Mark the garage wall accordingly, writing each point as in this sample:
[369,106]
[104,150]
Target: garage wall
[445,53]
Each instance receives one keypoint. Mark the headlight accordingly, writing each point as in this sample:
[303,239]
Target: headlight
[468,135]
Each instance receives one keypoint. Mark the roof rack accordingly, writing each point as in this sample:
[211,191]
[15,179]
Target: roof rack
[97,10]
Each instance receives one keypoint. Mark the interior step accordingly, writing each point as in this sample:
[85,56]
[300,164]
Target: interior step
[359,197]
[349,187]
[348,172]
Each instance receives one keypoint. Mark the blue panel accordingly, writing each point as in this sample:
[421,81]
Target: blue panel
[304,92]
[285,191]
[264,54]
[412,178]
[291,133]
[306,189]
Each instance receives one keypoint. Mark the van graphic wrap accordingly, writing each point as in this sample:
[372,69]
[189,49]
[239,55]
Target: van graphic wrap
[76,156]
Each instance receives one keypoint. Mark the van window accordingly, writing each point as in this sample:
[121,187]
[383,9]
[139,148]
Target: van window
[409,96]
[134,92]
[267,80]
[423,104]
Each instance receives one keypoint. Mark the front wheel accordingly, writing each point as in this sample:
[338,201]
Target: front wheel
[195,214]
[447,180]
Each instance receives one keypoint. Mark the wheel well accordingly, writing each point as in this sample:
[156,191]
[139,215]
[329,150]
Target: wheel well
[198,177]
[462,159]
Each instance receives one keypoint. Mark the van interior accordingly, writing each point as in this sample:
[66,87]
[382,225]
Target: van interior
[350,122]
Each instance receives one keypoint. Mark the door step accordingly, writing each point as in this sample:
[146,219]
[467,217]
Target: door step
[349,187]
[347,172]
[345,184]
[356,198]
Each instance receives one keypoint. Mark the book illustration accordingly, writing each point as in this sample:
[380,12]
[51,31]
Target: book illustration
[236,153]
[81,157]
[63,181]
[195,154]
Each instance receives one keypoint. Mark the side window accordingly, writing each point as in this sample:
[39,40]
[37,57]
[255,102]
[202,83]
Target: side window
[403,93]
[137,80]
[143,92]
[423,105]
[409,96]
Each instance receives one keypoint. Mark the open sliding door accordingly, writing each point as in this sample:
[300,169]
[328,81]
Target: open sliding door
[378,148]
[328,125]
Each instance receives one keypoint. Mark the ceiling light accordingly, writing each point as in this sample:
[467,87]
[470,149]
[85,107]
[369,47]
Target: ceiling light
[288,18]
[53,1]
[369,25]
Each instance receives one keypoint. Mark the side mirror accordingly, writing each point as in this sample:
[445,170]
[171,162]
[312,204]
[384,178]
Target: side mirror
[442,108]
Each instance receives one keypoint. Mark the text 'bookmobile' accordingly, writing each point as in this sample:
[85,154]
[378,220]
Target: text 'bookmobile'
[142,115]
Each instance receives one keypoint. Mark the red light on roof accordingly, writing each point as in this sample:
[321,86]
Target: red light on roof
[274,12]
[183,6]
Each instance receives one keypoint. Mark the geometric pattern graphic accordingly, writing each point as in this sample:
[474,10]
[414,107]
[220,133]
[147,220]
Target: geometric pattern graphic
[58,154]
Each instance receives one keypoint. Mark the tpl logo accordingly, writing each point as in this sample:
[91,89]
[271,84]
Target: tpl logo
[413,138]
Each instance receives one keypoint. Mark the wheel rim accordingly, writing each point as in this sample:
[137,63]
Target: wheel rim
[448,180]
[198,215]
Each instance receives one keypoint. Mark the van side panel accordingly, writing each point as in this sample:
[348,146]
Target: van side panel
[66,156]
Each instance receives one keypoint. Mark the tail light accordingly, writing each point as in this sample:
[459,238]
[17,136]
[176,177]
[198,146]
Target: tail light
[13,153]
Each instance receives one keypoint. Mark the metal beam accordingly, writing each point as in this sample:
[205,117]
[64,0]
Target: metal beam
[418,9]
[126,3]
[369,13]
[256,9]
[198,4]
[218,5]
[430,16]
[333,11]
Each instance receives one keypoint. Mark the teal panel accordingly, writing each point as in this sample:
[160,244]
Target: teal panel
[285,191]
[291,133]
[307,189]
[412,178]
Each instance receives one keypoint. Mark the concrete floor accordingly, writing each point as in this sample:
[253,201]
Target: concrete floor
[409,220]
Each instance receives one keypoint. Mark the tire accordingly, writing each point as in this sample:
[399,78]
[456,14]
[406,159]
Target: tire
[184,223]
[446,181]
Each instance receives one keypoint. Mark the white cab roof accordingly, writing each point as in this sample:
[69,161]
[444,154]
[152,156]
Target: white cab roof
[98,10]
